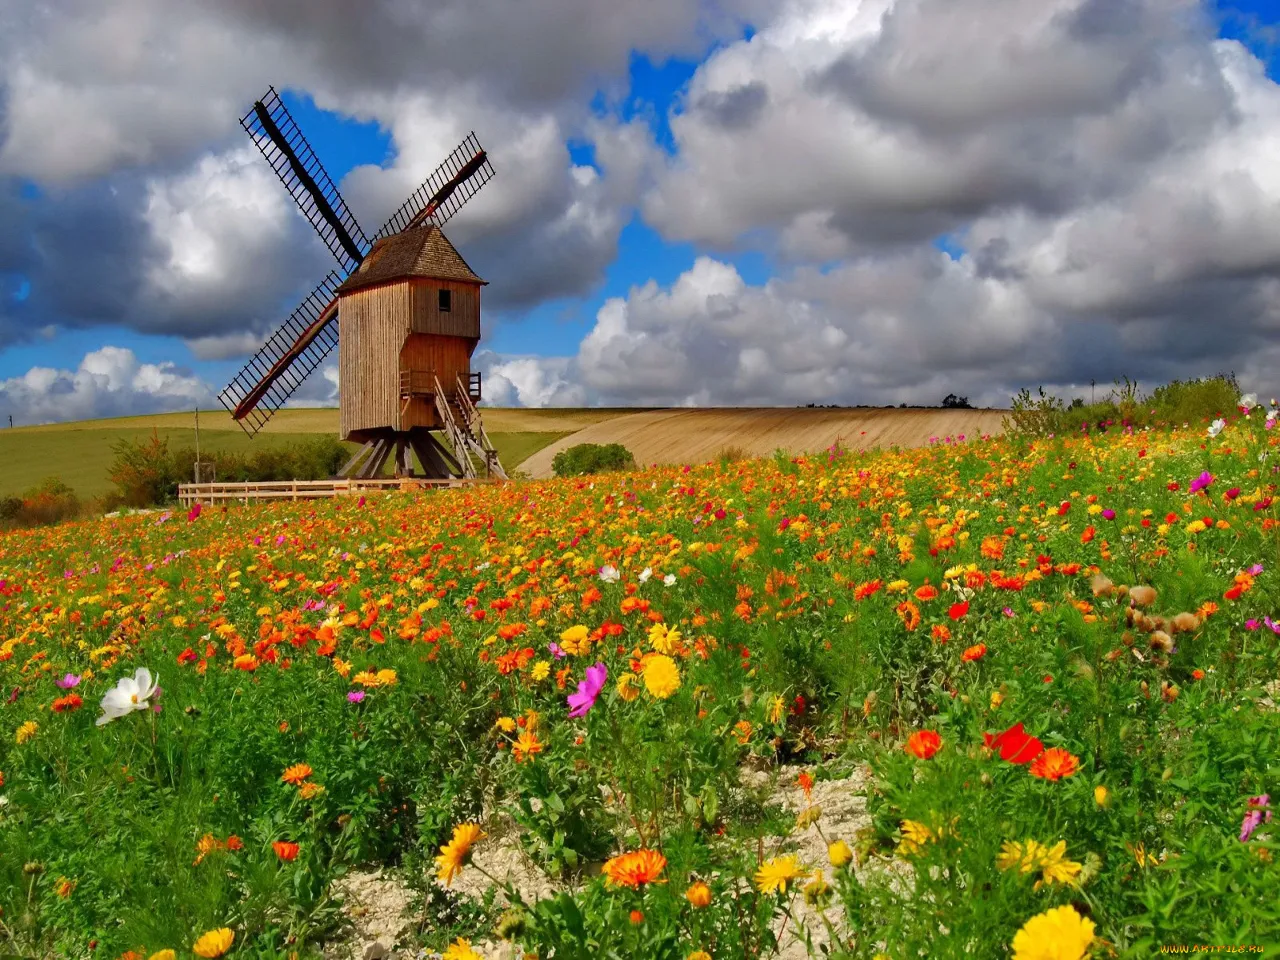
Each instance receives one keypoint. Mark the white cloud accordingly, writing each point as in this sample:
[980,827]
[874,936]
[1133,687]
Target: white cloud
[109,382]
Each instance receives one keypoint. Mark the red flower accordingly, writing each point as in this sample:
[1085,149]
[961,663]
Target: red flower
[923,744]
[1015,745]
[958,610]
[1065,506]
[285,850]
[976,652]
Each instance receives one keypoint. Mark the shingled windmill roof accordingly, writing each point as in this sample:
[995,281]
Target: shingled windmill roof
[420,252]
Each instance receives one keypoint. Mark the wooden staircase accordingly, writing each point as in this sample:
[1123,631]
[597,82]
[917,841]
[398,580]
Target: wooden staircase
[465,431]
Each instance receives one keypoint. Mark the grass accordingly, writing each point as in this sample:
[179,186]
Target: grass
[81,454]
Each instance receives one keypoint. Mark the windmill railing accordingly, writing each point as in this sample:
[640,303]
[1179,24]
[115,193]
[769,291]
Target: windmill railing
[417,383]
[475,427]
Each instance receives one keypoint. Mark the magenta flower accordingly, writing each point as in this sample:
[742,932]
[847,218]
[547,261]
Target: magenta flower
[1259,813]
[557,650]
[69,681]
[1251,624]
[194,512]
[1255,570]
[355,696]
[1200,482]
[1232,493]
[1108,514]
[588,690]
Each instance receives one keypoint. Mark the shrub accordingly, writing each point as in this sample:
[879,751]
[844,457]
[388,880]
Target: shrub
[588,458]
[51,502]
[144,471]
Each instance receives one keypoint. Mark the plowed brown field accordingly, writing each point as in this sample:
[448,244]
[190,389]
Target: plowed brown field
[695,436]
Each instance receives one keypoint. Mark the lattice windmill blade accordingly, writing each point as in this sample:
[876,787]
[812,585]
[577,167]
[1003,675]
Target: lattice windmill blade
[443,193]
[276,134]
[278,369]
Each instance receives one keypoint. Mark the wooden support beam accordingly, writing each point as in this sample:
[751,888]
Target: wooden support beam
[350,464]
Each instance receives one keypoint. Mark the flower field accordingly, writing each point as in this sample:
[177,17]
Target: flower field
[1047,668]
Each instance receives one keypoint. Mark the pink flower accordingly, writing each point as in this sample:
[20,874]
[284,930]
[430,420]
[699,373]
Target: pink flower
[1232,493]
[1254,818]
[1108,514]
[69,681]
[355,696]
[194,512]
[557,650]
[588,690]
[1251,624]
[1200,482]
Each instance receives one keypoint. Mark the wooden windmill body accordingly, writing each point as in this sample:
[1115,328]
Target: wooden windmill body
[404,315]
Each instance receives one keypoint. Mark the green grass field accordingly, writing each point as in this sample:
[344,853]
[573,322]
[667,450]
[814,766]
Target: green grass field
[80,454]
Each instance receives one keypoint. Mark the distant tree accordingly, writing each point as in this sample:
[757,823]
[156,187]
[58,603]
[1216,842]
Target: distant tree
[952,402]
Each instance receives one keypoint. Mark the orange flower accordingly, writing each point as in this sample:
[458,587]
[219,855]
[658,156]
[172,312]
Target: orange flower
[926,592]
[285,850]
[976,652]
[941,632]
[635,869]
[296,774]
[527,746]
[1054,764]
[698,895]
[923,744]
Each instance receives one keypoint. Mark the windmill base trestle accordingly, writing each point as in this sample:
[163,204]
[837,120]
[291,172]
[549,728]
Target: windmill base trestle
[452,459]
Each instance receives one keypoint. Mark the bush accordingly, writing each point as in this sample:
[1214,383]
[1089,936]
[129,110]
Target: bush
[587,458]
[144,472]
[51,502]
[952,402]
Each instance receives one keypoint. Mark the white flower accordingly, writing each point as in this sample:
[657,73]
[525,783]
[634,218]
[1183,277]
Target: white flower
[1215,428]
[645,574]
[609,573]
[1247,402]
[129,694]
[669,580]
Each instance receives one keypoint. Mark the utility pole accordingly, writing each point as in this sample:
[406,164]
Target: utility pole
[1092,383]
[196,478]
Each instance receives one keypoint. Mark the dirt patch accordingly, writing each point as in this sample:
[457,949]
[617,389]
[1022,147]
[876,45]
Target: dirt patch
[378,906]
[696,436]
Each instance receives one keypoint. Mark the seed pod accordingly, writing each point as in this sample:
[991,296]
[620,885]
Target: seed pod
[1186,623]
[1142,596]
[1102,585]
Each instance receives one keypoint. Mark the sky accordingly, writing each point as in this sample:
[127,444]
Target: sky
[696,202]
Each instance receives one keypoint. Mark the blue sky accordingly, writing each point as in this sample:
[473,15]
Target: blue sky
[553,328]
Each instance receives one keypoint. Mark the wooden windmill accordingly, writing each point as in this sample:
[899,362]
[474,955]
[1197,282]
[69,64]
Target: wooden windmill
[404,313]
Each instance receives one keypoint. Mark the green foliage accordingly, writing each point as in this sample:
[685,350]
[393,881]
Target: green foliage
[585,458]
[1178,403]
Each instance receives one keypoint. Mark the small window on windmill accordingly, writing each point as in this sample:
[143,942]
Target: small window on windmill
[445,301]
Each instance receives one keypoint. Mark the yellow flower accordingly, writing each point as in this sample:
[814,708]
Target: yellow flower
[505,724]
[386,678]
[457,852]
[997,698]
[817,890]
[163,955]
[776,707]
[1030,855]
[774,875]
[214,943]
[341,666]
[839,853]
[576,640]
[541,670]
[628,686]
[698,895]
[661,676]
[26,731]
[1057,934]
[664,640]
[698,955]
[1101,796]
[460,949]
[914,836]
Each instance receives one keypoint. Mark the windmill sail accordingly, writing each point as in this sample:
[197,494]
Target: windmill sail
[272,128]
[454,182]
[277,370]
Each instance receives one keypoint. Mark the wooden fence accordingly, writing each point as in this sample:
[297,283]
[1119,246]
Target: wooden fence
[209,493]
